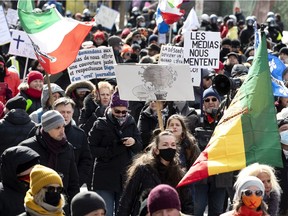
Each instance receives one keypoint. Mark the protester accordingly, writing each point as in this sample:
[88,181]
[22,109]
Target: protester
[248,198]
[16,124]
[88,203]
[113,140]
[78,140]
[266,174]
[16,165]
[55,152]
[77,92]
[46,102]
[45,194]
[11,78]
[32,90]
[159,165]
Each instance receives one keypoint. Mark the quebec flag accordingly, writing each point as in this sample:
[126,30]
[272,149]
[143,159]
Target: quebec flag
[277,68]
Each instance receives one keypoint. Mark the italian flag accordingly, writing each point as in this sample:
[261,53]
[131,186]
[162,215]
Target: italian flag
[247,132]
[56,40]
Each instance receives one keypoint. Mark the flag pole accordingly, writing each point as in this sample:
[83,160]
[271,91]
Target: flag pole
[159,115]
[51,99]
[170,34]
[25,70]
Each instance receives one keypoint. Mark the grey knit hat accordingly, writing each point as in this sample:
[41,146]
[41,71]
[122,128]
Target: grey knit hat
[247,182]
[51,119]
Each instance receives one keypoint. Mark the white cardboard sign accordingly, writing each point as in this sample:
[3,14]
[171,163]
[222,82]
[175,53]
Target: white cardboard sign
[12,16]
[106,16]
[5,36]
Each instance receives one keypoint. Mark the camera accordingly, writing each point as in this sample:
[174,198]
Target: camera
[223,84]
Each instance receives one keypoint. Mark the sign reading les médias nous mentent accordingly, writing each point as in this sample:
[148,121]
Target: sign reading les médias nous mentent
[93,63]
[201,49]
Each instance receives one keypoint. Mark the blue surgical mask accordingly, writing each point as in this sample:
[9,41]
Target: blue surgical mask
[284,137]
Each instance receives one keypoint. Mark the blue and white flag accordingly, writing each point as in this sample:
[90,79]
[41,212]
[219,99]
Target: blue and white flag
[161,25]
[277,68]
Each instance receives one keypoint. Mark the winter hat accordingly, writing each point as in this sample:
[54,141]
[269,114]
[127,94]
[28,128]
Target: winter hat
[99,34]
[125,32]
[126,49]
[85,202]
[163,197]
[247,182]
[154,47]
[34,75]
[238,70]
[17,102]
[152,37]
[114,41]
[116,101]
[42,176]
[51,119]
[22,167]
[211,92]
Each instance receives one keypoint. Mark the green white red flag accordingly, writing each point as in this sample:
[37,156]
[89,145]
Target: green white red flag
[56,40]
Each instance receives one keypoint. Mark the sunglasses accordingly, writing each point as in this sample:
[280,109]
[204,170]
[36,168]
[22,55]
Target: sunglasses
[250,192]
[51,189]
[124,112]
[207,100]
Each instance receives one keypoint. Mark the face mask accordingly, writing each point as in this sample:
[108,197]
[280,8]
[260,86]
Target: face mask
[225,51]
[52,198]
[285,152]
[139,41]
[284,137]
[167,154]
[252,201]
[142,24]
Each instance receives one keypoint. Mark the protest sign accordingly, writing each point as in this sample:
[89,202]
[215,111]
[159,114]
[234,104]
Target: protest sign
[21,45]
[145,82]
[5,36]
[93,63]
[12,17]
[106,16]
[175,55]
[201,49]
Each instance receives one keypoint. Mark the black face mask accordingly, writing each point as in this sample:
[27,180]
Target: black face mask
[225,51]
[1,70]
[52,198]
[167,154]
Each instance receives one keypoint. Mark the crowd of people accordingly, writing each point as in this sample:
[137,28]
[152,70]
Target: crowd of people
[58,137]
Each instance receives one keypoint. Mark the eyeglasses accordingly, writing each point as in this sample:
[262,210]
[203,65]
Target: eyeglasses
[207,100]
[250,192]
[124,112]
[51,189]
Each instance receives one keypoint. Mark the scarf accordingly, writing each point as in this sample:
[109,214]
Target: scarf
[245,211]
[33,93]
[42,208]
[54,147]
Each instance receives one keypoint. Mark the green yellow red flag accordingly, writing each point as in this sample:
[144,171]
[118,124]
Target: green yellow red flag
[247,132]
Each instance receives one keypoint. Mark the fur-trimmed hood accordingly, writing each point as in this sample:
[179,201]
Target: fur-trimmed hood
[82,84]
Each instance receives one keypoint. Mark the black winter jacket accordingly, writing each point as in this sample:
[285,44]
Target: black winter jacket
[111,156]
[14,128]
[65,165]
[83,158]
[36,102]
[12,191]
[145,179]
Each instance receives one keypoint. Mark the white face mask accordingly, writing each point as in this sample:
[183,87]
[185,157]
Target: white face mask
[285,153]
[284,137]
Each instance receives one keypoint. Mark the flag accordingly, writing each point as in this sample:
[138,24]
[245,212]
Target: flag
[170,10]
[191,22]
[161,25]
[277,68]
[56,40]
[247,132]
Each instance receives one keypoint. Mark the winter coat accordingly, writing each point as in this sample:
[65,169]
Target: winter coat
[13,81]
[71,92]
[65,165]
[111,156]
[273,203]
[14,128]
[244,211]
[83,158]
[12,192]
[146,124]
[144,179]
[36,115]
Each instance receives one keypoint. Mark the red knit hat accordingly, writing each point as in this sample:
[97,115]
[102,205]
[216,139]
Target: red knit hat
[99,34]
[34,75]
[163,197]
